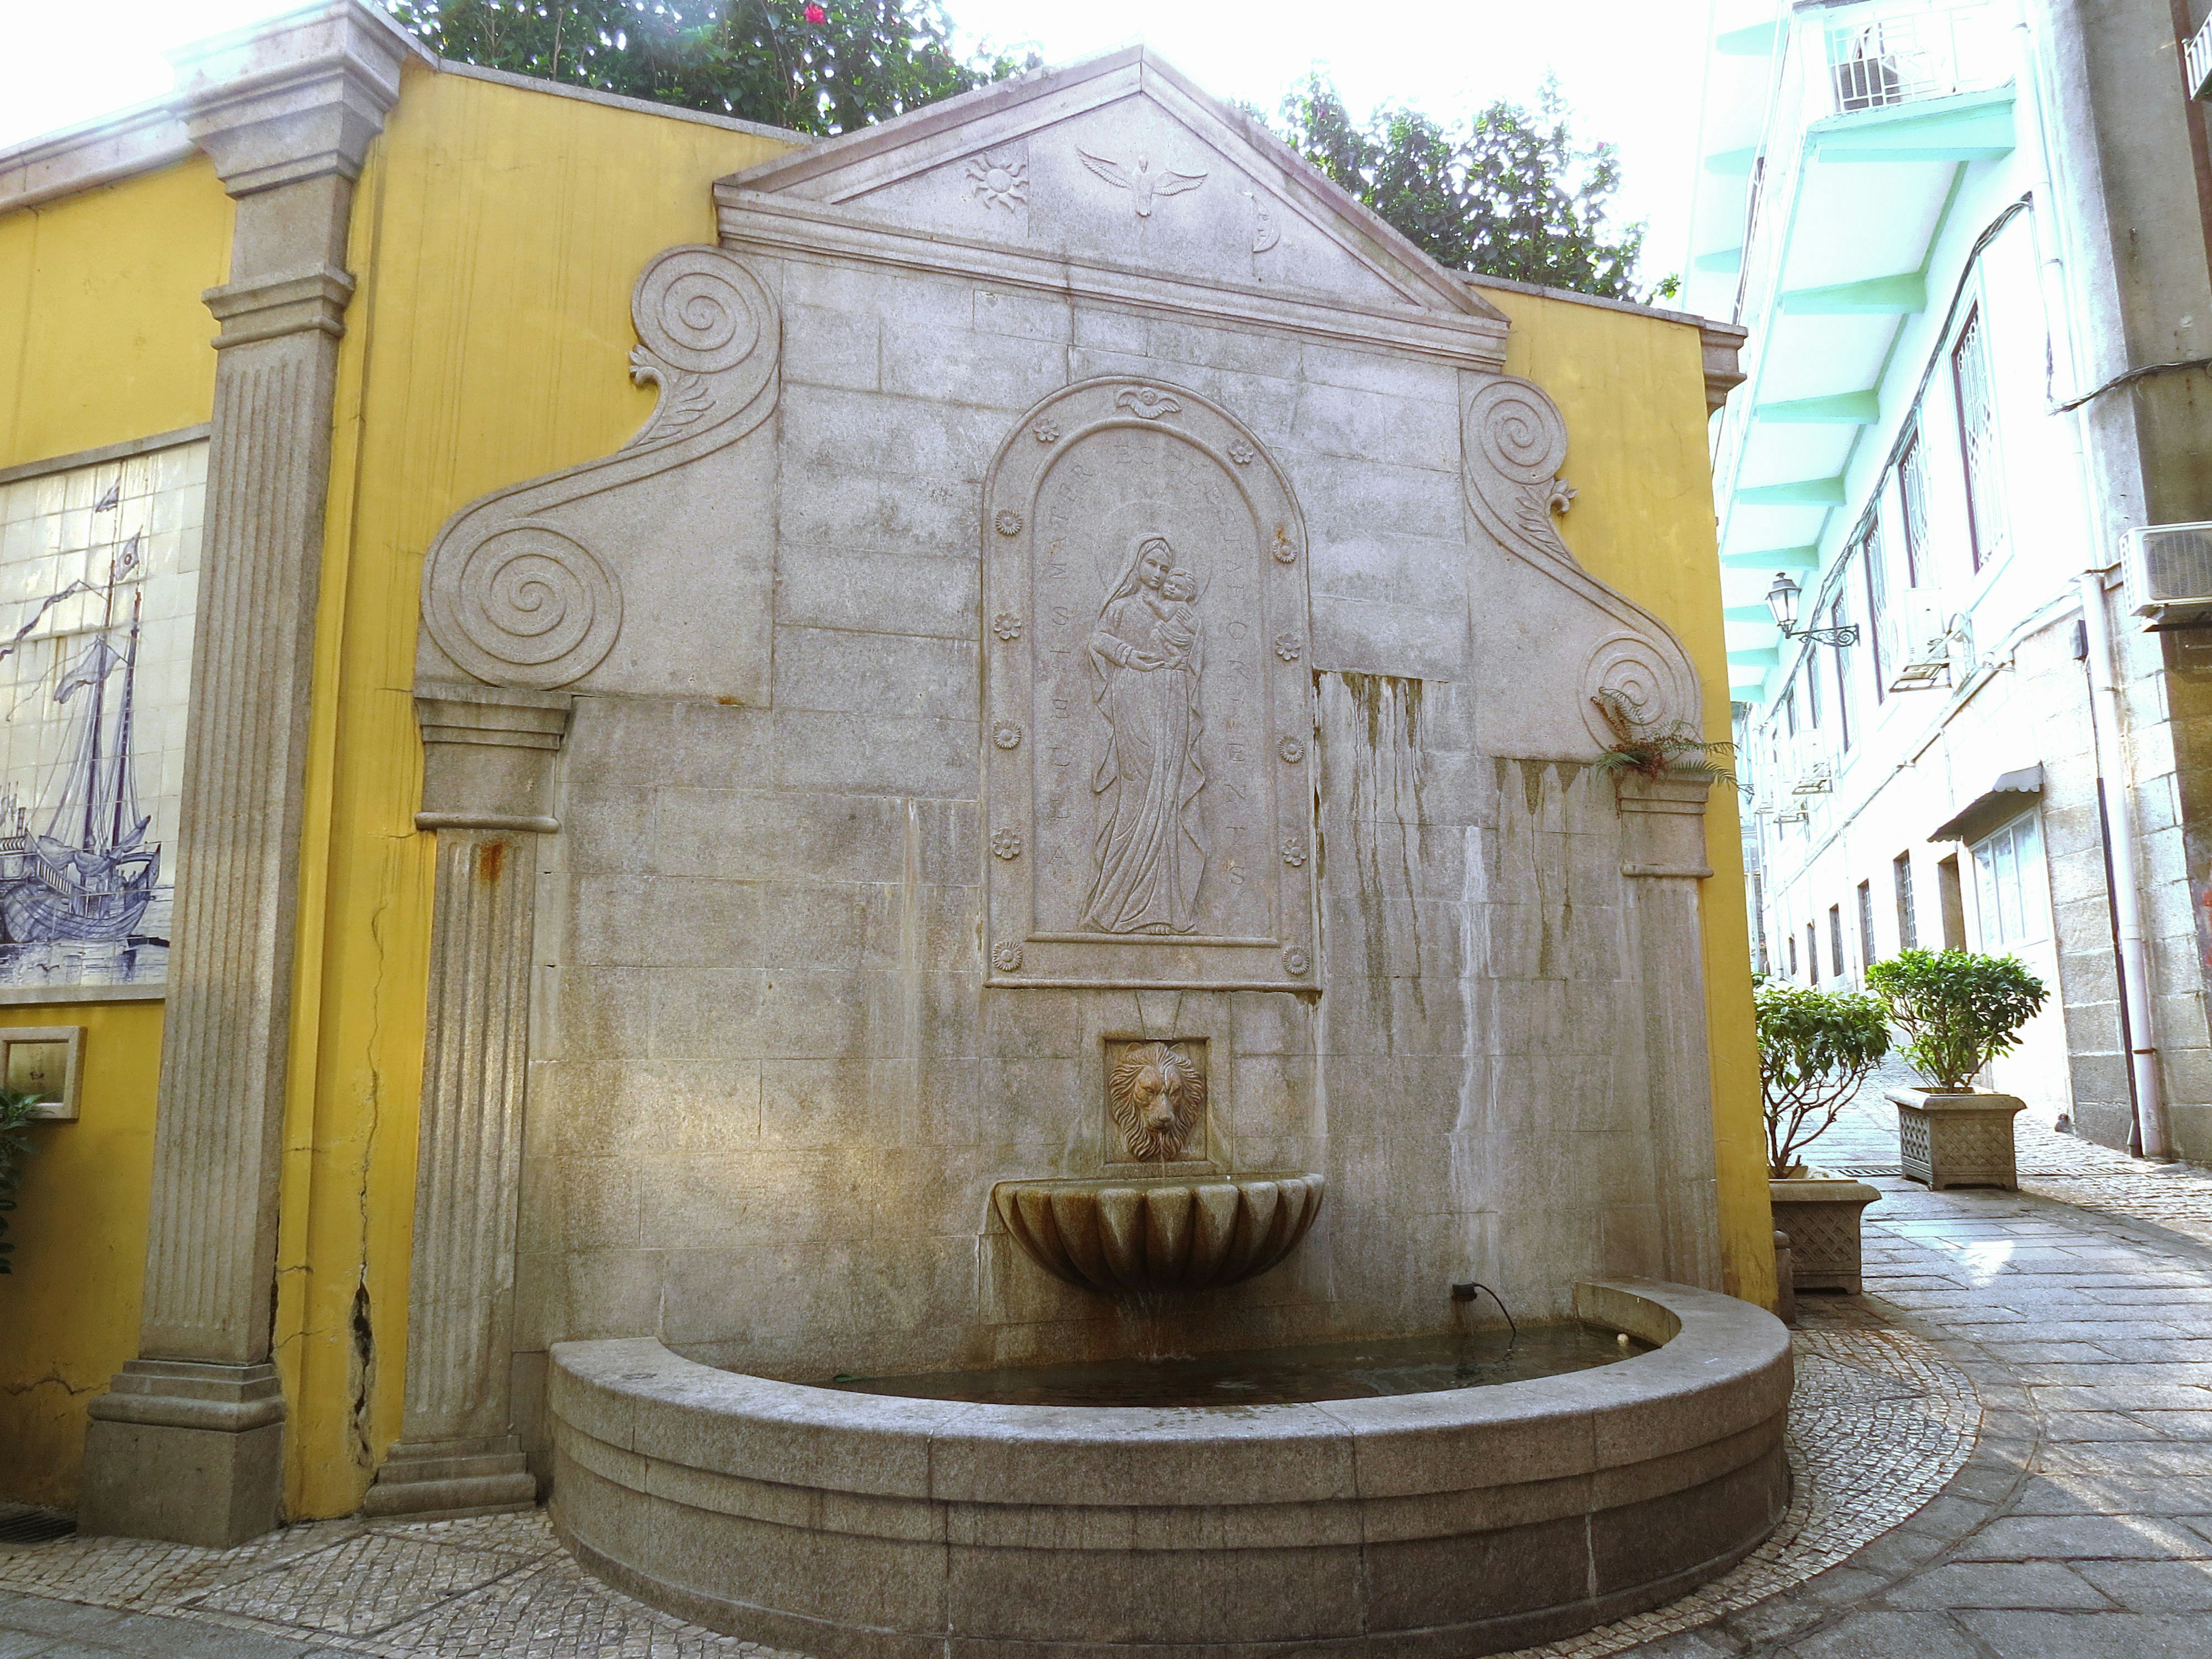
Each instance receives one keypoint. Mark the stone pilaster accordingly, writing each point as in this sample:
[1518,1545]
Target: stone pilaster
[486,790]
[188,1443]
[1665,844]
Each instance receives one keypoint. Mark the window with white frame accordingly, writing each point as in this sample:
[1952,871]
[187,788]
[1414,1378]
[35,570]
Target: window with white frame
[2008,881]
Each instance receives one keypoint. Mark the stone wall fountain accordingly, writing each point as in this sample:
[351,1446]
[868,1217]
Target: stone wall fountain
[1064,740]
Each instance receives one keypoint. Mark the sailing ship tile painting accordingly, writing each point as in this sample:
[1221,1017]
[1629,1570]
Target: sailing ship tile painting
[98,570]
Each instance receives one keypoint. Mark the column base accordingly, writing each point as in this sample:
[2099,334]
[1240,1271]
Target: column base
[186,1452]
[445,1479]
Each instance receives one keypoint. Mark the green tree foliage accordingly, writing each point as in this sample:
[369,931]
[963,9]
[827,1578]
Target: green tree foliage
[1510,193]
[818,66]
[1815,1048]
[14,1146]
[1960,1009]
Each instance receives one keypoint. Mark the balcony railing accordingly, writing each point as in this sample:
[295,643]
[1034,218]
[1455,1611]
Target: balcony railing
[1881,56]
[2197,56]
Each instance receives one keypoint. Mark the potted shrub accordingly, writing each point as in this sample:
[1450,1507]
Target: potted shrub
[1815,1048]
[1959,1010]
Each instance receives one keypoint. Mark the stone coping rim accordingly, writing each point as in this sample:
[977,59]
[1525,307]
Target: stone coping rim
[1725,1367]
[1951,1100]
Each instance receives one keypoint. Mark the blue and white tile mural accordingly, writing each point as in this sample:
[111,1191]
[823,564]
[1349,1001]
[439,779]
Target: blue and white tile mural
[98,569]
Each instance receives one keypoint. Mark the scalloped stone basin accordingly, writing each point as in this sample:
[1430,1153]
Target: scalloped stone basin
[1160,1234]
[1457,1522]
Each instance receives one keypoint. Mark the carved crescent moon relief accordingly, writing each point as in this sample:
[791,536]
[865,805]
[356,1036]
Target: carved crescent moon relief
[1155,553]
[1515,442]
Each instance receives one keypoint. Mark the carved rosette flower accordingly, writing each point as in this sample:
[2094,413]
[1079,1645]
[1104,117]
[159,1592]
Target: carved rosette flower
[1007,735]
[1006,956]
[1008,523]
[1288,647]
[1008,626]
[1241,452]
[1007,844]
[1286,551]
[1297,963]
[1294,851]
[1046,431]
[1562,496]
[1292,749]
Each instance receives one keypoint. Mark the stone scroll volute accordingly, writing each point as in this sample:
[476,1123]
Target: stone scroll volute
[526,587]
[1148,802]
[1514,444]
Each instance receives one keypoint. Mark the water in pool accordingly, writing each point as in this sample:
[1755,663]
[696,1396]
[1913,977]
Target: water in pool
[1277,1377]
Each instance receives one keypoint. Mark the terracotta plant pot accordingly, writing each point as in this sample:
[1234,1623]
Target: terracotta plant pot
[1821,1213]
[1945,1139]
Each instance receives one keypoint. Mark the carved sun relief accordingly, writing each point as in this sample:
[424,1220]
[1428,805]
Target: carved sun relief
[999,179]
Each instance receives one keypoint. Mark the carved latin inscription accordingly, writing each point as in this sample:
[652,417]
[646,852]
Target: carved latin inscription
[1151,788]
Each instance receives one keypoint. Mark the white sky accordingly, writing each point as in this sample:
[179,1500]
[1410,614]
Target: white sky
[1629,69]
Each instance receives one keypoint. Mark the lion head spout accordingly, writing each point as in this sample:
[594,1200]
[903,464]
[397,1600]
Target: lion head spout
[1157,1098]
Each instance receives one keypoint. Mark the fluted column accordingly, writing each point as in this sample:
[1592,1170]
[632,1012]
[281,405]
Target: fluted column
[1665,848]
[487,791]
[188,1443]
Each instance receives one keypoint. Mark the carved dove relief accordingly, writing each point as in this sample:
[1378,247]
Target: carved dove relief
[1140,180]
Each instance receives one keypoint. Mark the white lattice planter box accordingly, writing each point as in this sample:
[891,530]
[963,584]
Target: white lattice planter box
[1821,1214]
[1956,1140]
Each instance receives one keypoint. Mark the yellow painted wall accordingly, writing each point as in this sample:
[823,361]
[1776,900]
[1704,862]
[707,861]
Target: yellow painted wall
[103,336]
[496,233]
[1632,390]
[103,339]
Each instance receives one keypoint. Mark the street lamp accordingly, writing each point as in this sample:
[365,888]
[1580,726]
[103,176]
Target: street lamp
[1782,600]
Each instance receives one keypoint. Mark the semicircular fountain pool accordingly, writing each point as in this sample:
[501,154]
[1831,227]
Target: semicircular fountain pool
[1365,1498]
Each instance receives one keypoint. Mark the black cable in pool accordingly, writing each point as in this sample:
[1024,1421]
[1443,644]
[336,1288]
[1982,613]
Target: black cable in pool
[1465,1292]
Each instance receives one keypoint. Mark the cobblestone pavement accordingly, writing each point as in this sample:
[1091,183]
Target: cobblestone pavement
[2003,1451]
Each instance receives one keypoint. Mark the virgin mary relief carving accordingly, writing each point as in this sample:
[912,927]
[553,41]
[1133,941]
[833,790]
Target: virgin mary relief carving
[1148,760]
[1148,652]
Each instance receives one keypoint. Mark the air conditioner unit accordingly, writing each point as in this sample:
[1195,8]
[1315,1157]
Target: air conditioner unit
[1818,779]
[1925,640]
[2168,569]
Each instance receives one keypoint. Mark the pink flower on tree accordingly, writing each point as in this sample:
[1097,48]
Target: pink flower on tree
[815,15]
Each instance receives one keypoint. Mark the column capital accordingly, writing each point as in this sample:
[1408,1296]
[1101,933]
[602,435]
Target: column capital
[274,306]
[488,755]
[294,97]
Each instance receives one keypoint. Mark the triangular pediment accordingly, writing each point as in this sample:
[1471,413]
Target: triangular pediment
[1117,163]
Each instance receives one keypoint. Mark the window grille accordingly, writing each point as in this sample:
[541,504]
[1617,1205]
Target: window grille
[1839,616]
[1879,623]
[1866,924]
[1908,925]
[1977,439]
[1912,486]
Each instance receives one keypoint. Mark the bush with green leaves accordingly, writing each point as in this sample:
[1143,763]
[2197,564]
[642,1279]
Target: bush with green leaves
[1958,1010]
[1815,1048]
[15,1145]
